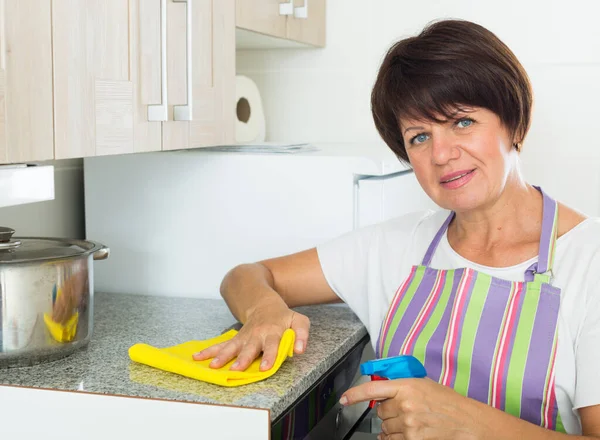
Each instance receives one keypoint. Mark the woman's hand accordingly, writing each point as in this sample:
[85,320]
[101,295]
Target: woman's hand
[262,332]
[414,409]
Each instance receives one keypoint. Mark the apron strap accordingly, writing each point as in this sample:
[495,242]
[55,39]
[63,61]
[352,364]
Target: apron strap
[547,238]
[436,240]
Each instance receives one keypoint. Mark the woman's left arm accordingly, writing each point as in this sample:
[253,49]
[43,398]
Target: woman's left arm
[422,409]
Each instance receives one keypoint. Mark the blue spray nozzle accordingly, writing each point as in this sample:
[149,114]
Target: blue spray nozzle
[396,367]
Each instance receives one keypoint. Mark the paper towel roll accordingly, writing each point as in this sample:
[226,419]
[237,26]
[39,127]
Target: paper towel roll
[250,126]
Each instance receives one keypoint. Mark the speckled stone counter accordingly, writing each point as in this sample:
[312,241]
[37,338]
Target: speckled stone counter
[123,320]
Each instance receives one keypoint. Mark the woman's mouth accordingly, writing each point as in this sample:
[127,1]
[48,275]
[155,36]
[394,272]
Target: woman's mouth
[457,179]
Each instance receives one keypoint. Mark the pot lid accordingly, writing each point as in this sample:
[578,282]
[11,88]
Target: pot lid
[30,249]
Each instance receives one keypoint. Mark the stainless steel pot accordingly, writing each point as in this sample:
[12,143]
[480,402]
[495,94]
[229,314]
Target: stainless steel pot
[46,297]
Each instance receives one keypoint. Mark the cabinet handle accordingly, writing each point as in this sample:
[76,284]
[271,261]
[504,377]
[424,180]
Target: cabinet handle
[184,112]
[301,11]
[158,112]
[286,8]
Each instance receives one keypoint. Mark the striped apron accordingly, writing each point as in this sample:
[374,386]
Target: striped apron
[489,339]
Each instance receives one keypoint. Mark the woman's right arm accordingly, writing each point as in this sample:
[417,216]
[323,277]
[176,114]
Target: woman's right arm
[260,295]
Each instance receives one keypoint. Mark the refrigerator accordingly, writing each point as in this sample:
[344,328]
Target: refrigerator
[176,222]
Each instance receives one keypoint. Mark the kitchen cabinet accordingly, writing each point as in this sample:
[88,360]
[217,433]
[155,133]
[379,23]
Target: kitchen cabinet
[142,75]
[93,89]
[184,72]
[148,93]
[307,24]
[83,78]
[200,66]
[273,23]
[262,16]
[26,124]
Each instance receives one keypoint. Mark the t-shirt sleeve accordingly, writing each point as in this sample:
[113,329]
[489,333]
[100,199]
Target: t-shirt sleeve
[344,261]
[360,265]
[587,388]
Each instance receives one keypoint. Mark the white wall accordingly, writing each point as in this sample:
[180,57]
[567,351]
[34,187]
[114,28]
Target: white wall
[61,217]
[323,94]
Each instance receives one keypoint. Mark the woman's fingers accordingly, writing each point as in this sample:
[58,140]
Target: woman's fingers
[226,353]
[271,347]
[209,352]
[250,352]
[248,344]
[301,326]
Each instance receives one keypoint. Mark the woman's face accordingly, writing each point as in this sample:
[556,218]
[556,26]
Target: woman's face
[464,163]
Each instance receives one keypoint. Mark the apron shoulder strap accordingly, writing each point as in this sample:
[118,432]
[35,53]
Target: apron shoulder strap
[436,240]
[547,237]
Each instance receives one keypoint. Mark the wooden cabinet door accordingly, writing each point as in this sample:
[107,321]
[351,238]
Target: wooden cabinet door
[26,131]
[200,74]
[93,90]
[147,52]
[307,25]
[262,16]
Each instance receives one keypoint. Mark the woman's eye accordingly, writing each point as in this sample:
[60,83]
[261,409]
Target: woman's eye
[419,139]
[464,122]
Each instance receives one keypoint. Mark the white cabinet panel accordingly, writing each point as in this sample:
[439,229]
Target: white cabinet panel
[381,198]
[122,417]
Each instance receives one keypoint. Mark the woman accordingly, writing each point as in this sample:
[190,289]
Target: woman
[497,293]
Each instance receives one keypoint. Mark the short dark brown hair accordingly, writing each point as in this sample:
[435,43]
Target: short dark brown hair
[450,64]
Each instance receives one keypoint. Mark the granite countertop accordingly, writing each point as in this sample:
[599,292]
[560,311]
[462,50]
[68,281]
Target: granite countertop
[122,320]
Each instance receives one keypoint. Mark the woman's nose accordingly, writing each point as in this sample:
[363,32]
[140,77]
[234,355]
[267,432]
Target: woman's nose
[444,148]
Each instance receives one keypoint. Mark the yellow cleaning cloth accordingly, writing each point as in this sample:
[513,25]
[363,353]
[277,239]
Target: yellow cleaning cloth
[62,332]
[178,359]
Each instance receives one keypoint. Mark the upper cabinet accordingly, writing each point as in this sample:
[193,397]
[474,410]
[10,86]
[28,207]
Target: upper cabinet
[81,78]
[149,57]
[264,24]
[184,73]
[26,113]
[93,89]
[263,16]
[307,23]
[142,75]
[200,73]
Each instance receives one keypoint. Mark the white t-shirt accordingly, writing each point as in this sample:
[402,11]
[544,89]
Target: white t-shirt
[366,266]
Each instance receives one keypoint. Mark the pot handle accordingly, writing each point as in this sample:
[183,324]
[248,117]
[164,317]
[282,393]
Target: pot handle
[102,253]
